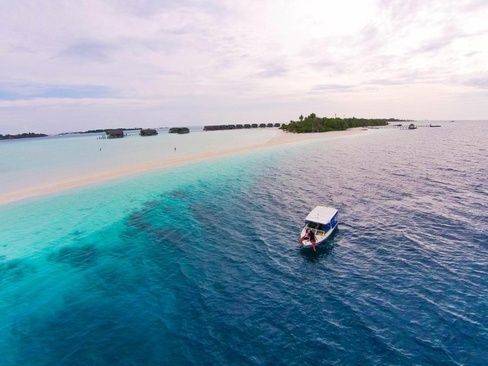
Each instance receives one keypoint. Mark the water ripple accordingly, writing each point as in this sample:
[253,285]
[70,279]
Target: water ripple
[208,271]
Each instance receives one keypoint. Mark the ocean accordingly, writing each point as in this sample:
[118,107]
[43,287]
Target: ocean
[199,264]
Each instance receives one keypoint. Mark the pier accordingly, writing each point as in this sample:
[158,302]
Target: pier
[403,127]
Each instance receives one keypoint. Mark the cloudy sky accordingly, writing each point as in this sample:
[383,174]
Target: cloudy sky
[77,65]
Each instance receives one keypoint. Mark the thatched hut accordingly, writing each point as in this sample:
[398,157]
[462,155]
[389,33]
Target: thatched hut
[113,134]
[148,132]
[211,128]
[179,130]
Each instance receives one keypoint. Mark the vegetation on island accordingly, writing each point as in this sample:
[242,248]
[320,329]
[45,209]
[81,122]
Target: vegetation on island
[312,123]
[22,136]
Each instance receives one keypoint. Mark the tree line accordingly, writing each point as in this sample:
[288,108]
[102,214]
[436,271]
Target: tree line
[21,136]
[312,123]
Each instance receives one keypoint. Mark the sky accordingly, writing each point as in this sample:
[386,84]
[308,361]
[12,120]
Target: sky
[79,65]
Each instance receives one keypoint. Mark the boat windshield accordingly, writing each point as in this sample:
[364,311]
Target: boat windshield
[319,227]
[312,225]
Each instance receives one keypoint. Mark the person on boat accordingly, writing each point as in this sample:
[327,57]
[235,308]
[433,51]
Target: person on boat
[310,236]
[312,239]
[305,237]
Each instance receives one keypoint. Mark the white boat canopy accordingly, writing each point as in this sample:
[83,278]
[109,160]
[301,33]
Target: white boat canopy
[321,214]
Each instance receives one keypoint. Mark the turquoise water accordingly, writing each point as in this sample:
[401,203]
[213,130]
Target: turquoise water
[199,264]
[46,161]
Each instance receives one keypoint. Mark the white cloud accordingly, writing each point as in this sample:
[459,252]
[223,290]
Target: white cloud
[196,62]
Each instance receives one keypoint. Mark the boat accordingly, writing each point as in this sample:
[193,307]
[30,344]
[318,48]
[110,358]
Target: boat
[411,126]
[322,221]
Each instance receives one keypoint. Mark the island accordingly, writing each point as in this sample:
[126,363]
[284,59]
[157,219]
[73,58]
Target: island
[22,136]
[312,123]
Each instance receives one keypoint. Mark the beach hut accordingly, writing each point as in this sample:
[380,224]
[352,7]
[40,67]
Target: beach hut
[148,132]
[113,134]
[211,128]
[179,130]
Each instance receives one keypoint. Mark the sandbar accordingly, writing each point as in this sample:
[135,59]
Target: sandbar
[281,138]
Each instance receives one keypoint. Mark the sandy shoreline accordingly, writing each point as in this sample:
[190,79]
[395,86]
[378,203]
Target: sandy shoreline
[281,138]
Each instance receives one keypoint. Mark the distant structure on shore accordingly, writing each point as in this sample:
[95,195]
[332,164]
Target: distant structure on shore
[148,132]
[239,126]
[114,134]
[179,130]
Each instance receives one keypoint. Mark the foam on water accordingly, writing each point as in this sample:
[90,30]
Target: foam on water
[199,264]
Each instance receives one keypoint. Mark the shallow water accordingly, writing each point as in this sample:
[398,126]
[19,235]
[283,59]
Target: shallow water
[199,264]
[46,161]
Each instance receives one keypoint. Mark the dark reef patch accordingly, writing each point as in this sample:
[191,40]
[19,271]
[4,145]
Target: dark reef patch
[15,270]
[179,193]
[76,256]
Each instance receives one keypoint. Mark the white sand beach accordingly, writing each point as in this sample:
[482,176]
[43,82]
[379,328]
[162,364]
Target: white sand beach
[83,178]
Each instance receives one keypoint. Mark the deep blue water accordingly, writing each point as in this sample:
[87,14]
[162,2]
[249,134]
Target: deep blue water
[199,265]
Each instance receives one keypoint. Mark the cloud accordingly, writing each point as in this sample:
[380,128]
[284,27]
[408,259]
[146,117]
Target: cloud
[273,71]
[23,91]
[476,81]
[88,51]
[178,58]
[334,88]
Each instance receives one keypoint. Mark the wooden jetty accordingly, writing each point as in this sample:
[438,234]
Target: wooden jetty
[400,126]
